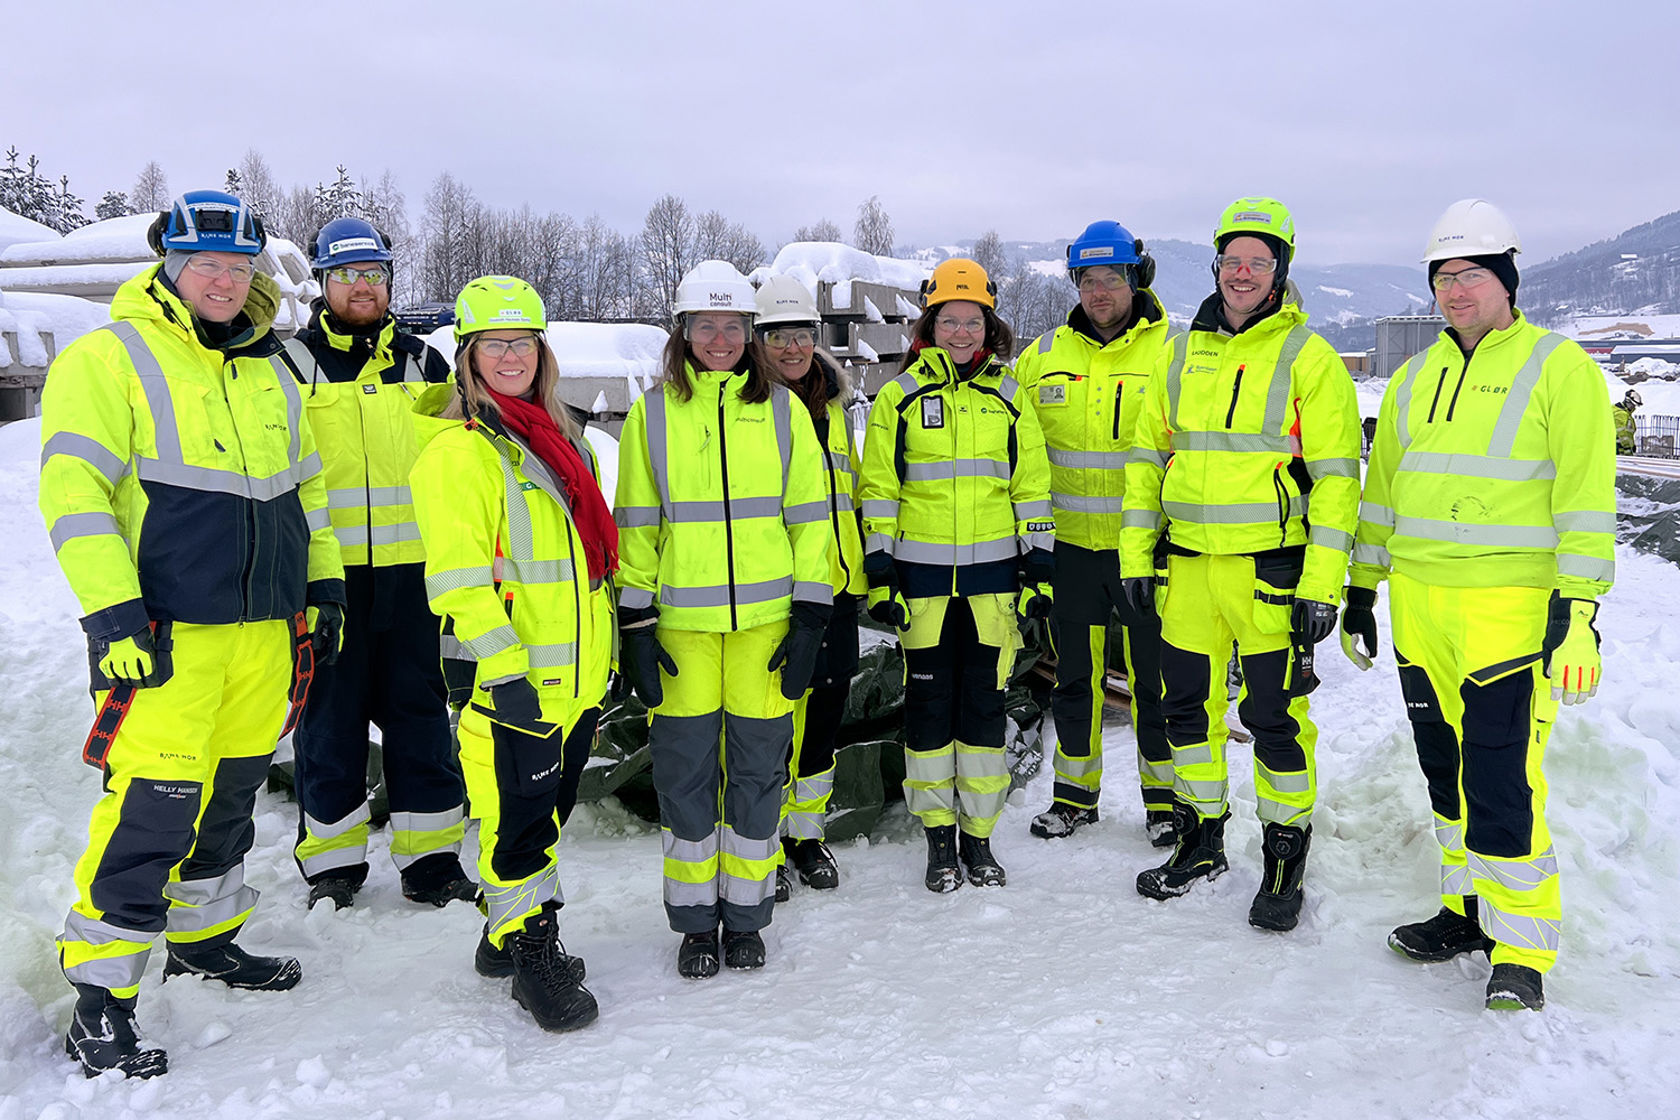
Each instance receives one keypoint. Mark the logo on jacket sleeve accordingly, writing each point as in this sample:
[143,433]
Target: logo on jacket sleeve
[933,412]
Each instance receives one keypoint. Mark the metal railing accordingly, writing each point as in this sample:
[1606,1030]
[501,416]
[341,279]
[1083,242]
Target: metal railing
[1656,437]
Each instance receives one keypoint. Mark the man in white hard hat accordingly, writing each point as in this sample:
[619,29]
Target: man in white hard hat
[1489,506]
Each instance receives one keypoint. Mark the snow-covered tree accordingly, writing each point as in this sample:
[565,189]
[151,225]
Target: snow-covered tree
[27,192]
[667,252]
[873,232]
[451,236]
[717,238]
[823,230]
[113,205]
[258,187]
[150,190]
[235,184]
[988,254]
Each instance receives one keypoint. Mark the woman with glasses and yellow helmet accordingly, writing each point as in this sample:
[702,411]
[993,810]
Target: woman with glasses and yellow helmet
[726,598]
[790,340]
[958,539]
[520,553]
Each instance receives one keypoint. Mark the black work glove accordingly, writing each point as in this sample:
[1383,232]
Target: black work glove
[1311,620]
[1359,625]
[641,655]
[327,637]
[1038,566]
[796,654]
[886,604]
[1139,592]
[516,702]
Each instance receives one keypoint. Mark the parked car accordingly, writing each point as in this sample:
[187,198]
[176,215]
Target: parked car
[423,318]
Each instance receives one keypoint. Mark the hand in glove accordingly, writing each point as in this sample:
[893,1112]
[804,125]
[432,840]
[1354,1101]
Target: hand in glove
[517,704]
[326,625]
[1038,566]
[1034,601]
[1311,620]
[641,655]
[1571,649]
[1139,593]
[134,661]
[1359,626]
[796,655]
[888,607]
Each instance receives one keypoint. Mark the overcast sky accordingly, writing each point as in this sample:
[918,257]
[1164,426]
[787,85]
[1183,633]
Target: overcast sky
[1031,117]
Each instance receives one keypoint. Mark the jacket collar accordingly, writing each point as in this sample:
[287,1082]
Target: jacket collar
[1146,309]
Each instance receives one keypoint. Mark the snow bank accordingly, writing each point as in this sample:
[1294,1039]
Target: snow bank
[31,315]
[114,239]
[15,228]
[591,349]
[831,262]
[1062,995]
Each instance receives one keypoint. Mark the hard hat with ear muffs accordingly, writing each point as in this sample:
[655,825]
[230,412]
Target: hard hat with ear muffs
[959,278]
[207,222]
[1111,244]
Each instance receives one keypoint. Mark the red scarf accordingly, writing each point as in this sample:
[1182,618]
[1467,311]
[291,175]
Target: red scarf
[594,521]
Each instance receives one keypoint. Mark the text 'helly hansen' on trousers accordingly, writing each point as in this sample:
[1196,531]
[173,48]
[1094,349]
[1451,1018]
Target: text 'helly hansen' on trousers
[1087,599]
[1210,603]
[167,842]
[1481,712]
[720,744]
[958,654]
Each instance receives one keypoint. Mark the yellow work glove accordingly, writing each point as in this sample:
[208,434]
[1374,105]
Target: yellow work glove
[134,661]
[1571,649]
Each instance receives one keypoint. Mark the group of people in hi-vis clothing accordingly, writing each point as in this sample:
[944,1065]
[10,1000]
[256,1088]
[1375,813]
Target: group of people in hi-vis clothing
[265,535]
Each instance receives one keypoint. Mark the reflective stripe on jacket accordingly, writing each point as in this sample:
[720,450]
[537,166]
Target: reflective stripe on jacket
[1233,434]
[505,563]
[1087,394]
[180,482]
[954,471]
[363,425]
[1496,470]
[722,512]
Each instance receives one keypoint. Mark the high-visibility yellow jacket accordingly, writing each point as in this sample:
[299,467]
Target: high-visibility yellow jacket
[1233,434]
[722,511]
[505,564]
[360,390]
[1087,394]
[1496,470]
[180,482]
[955,485]
[840,460]
[1625,430]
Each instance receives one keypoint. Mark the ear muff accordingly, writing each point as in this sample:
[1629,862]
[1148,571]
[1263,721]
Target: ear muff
[155,231]
[927,285]
[384,238]
[1145,266]
[262,233]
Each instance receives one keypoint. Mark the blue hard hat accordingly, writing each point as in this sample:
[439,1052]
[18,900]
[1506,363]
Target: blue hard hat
[208,222]
[348,241]
[1103,243]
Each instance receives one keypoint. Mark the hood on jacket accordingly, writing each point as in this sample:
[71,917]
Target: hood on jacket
[148,296]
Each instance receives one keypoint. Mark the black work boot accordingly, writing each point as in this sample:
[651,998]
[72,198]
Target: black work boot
[1515,987]
[543,983]
[943,874]
[498,963]
[697,956]
[1278,905]
[814,864]
[340,887]
[438,880]
[1199,853]
[1158,825]
[103,1037]
[983,867]
[1442,937]
[233,966]
[742,949]
[784,883]
[1062,819]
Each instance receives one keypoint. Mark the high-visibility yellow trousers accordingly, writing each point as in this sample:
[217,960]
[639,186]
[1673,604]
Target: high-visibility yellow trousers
[1209,603]
[167,842]
[519,817]
[1481,711]
[720,745]
[958,655]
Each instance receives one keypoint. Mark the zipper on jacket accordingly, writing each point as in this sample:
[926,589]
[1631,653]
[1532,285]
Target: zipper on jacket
[578,595]
[1440,381]
[834,518]
[1283,505]
[1120,395]
[728,520]
[1236,388]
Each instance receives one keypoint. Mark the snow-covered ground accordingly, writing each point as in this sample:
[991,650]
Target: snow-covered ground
[1062,995]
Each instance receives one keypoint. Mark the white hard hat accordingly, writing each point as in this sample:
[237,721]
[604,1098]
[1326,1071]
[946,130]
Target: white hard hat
[783,299]
[1471,227]
[714,286]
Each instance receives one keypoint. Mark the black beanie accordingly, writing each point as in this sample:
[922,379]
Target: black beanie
[1502,265]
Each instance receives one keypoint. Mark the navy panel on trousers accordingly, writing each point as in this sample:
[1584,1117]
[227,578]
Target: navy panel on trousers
[527,827]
